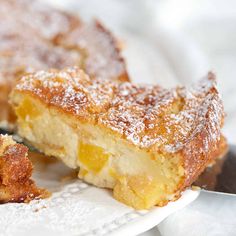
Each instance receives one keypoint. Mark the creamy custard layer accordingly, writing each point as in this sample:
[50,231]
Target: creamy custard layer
[138,178]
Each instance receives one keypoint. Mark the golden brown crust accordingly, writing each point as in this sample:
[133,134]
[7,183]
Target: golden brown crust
[35,37]
[99,48]
[15,173]
[196,159]
[41,19]
[185,122]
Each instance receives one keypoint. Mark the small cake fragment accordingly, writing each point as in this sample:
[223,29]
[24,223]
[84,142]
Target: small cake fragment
[16,184]
[145,142]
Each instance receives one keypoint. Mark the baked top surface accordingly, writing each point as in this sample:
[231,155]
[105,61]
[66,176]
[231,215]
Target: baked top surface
[40,18]
[145,115]
[100,50]
[22,53]
[35,36]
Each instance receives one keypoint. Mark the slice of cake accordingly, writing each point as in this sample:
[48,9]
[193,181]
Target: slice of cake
[15,173]
[145,142]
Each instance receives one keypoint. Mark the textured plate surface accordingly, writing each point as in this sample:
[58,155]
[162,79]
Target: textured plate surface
[77,208]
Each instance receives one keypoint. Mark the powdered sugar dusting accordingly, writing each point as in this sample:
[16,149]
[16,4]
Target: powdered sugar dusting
[147,116]
[202,110]
[71,90]
[24,48]
[41,18]
[99,48]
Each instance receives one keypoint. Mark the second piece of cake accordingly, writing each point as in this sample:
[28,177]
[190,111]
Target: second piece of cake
[145,142]
[16,184]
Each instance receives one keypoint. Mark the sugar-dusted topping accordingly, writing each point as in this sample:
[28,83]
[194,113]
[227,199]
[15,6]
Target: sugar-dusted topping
[136,112]
[71,90]
[41,18]
[166,119]
[102,56]
[23,51]
[147,116]
[202,109]
[28,42]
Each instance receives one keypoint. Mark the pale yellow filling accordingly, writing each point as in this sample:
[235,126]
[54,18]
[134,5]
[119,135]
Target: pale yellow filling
[92,157]
[28,110]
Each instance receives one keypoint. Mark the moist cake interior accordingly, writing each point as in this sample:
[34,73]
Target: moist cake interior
[139,178]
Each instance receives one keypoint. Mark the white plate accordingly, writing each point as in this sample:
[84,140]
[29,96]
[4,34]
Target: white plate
[77,208]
